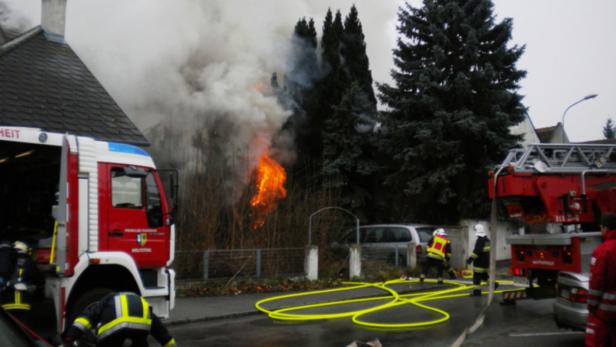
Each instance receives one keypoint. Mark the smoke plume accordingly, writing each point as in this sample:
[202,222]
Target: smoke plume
[194,74]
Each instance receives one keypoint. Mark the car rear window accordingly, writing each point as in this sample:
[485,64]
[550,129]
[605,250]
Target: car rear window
[401,235]
[425,233]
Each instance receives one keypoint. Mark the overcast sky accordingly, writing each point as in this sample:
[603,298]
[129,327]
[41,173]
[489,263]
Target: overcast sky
[570,44]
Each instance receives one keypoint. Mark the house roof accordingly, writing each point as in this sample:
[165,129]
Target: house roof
[547,133]
[44,84]
[602,142]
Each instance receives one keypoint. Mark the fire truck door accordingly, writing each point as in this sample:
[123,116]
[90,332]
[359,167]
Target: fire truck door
[134,209]
[60,211]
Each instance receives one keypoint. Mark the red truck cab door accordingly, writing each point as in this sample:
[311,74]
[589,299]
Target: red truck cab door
[134,214]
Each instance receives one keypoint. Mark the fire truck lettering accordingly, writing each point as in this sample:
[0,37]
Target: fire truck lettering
[140,230]
[543,262]
[9,133]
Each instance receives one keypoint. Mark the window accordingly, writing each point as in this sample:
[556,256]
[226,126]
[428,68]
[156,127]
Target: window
[401,235]
[374,235]
[155,208]
[125,190]
[425,233]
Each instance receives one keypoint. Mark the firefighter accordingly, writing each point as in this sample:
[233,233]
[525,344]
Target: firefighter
[116,318]
[601,322]
[439,252]
[7,263]
[480,258]
[24,282]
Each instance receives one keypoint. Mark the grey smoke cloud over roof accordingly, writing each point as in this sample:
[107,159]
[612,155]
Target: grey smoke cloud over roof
[570,51]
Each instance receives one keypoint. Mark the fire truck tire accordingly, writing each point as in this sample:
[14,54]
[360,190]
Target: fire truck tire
[80,304]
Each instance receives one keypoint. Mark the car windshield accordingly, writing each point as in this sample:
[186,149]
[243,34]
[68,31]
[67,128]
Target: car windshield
[425,233]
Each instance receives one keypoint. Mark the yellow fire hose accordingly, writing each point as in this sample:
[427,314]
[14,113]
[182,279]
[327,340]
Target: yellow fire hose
[394,299]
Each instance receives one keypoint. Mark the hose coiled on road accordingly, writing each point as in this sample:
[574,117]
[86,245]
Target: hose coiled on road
[394,299]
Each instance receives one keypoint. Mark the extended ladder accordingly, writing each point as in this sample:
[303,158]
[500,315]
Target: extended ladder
[561,158]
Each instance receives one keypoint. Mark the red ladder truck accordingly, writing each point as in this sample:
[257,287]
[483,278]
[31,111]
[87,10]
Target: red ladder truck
[560,186]
[95,214]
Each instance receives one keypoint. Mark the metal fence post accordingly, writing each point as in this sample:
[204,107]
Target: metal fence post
[206,265]
[258,263]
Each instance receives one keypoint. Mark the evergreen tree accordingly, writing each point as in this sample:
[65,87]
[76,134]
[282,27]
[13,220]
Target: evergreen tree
[449,112]
[303,61]
[299,93]
[347,161]
[357,65]
[608,129]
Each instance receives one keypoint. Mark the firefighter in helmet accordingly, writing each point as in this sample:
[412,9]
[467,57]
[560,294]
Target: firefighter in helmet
[117,318]
[23,285]
[439,252]
[480,258]
[601,321]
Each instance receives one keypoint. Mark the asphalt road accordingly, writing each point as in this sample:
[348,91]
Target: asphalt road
[529,322]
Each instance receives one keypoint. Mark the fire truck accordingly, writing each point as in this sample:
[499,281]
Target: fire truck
[556,193]
[95,214]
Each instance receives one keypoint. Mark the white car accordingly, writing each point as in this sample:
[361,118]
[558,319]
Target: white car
[394,236]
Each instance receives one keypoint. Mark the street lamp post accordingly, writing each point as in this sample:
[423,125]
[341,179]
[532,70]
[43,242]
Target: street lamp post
[587,97]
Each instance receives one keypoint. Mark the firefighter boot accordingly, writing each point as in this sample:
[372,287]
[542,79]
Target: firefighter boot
[421,278]
[476,292]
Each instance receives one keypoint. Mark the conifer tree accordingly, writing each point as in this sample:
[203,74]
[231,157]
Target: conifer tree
[608,129]
[347,159]
[299,92]
[354,51]
[453,100]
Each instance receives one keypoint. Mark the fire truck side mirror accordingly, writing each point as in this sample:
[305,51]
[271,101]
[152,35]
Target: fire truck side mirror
[170,181]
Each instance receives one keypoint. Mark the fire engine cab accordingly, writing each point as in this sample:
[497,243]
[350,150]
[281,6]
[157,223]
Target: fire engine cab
[95,214]
[558,193]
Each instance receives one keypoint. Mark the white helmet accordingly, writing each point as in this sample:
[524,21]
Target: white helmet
[440,232]
[479,230]
[20,246]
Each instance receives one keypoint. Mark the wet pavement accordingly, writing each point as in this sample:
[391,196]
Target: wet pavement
[233,321]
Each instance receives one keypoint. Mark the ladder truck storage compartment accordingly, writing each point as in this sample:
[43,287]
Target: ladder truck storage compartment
[562,188]
[95,214]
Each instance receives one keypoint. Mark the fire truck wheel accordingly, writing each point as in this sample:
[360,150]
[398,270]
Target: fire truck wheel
[80,304]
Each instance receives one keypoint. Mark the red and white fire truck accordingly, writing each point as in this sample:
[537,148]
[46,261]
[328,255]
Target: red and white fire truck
[95,214]
[562,188]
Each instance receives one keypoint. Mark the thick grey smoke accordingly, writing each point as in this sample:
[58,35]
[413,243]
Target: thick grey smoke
[199,68]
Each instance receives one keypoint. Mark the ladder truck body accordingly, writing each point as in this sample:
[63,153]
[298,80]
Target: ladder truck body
[563,186]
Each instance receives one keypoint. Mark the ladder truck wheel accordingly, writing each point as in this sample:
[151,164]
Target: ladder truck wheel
[79,305]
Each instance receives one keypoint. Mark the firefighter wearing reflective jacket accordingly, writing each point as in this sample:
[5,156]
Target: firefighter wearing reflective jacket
[601,323]
[116,318]
[439,252]
[22,285]
[480,258]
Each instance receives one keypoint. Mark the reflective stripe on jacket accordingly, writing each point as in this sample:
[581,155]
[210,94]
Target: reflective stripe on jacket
[438,248]
[119,312]
[481,254]
[25,273]
[114,313]
[132,312]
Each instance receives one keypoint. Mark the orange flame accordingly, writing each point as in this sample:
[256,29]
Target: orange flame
[270,188]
